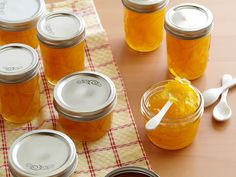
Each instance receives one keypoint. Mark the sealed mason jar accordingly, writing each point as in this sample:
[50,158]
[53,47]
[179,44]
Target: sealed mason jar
[18,21]
[61,36]
[42,153]
[85,102]
[19,87]
[143,23]
[180,124]
[188,38]
[131,171]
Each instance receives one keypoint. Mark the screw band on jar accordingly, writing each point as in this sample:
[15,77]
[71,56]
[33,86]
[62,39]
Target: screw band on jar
[85,102]
[42,153]
[188,21]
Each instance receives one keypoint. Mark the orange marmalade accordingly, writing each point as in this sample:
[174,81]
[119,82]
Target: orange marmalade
[188,40]
[18,20]
[61,37]
[19,88]
[179,126]
[85,102]
[143,23]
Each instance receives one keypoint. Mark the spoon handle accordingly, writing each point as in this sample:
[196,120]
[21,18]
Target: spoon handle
[227,78]
[153,122]
[228,85]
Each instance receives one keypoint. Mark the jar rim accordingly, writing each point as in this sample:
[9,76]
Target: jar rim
[188,118]
[145,6]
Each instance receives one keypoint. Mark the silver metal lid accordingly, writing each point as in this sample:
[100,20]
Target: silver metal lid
[145,6]
[21,14]
[84,96]
[188,21]
[18,63]
[132,171]
[61,29]
[46,153]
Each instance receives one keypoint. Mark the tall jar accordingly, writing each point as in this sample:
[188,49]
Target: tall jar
[173,132]
[61,36]
[19,88]
[18,21]
[143,23]
[188,38]
[85,102]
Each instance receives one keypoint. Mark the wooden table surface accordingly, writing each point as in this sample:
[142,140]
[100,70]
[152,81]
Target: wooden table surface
[213,153]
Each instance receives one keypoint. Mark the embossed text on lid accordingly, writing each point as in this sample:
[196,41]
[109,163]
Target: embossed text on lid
[188,20]
[18,63]
[42,153]
[84,96]
[19,14]
[145,6]
[61,29]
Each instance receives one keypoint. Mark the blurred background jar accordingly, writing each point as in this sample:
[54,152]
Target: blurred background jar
[62,40]
[143,23]
[188,38]
[18,20]
[85,102]
[19,87]
[180,124]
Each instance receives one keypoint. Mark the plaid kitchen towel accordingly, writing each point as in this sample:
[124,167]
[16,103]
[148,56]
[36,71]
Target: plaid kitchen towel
[121,146]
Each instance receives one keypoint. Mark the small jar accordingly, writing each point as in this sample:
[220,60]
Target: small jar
[19,87]
[85,102]
[143,23]
[188,38]
[18,21]
[61,36]
[173,132]
[42,153]
[131,171]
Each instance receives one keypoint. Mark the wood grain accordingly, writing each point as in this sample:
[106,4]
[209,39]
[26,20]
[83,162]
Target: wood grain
[213,154]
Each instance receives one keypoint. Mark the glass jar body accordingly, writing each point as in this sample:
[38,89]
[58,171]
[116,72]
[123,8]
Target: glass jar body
[27,37]
[172,133]
[59,62]
[20,102]
[86,131]
[187,58]
[144,31]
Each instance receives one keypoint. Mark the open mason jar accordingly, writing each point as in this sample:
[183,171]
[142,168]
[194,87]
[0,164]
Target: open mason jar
[188,38]
[176,131]
[144,23]
[18,21]
[85,102]
[62,40]
[19,87]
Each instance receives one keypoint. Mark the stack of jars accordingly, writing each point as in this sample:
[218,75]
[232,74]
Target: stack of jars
[84,100]
[188,28]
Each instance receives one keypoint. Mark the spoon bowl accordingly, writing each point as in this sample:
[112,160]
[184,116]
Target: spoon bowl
[222,112]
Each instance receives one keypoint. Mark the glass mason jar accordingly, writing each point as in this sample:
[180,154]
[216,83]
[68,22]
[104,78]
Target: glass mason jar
[61,36]
[188,38]
[19,87]
[85,102]
[143,23]
[42,153]
[18,20]
[172,133]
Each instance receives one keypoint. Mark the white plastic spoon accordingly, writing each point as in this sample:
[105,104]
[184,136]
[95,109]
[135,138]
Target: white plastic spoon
[154,122]
[211,95]
[222,111]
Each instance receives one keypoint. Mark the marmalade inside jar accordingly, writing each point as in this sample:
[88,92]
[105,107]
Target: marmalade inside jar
[27,37]
[187,58]
[59,62]
[20,103]
[86,131]
[176,132]
[144,31]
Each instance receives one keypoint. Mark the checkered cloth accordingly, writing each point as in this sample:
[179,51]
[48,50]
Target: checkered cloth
[121,146]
